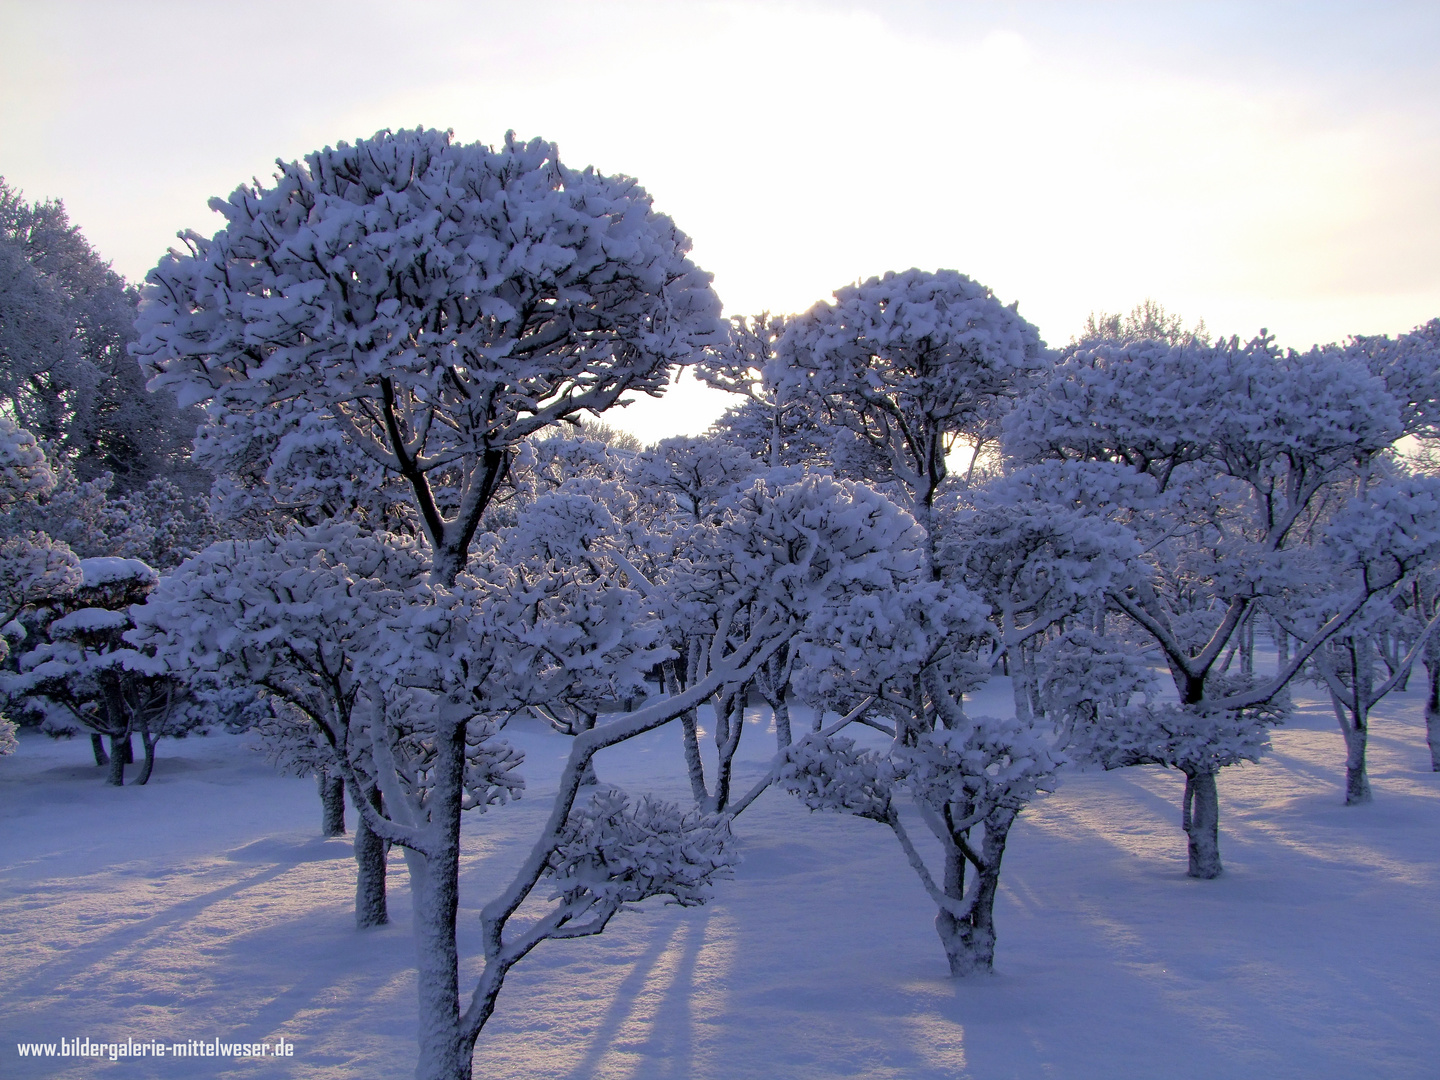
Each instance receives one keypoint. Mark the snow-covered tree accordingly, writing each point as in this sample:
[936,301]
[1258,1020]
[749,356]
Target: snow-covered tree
[1393,529]
[806,440]
[1416,610]
[65,319]
[156,523]
[1037,565]
[417,308]
[588,641]
[665,528]
[91,677]
[294,617]
[910,363]
[969,784]
[697,471]
[1146,321]
[24,472]
[35,570]
[612,437]
[1410,366]
[1220,461]
[907,673]
[870,559]
[774,424]
[425,305]
[968,776]
[788,573]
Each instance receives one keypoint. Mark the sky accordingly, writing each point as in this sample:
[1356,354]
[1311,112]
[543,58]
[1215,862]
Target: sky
[1250,164]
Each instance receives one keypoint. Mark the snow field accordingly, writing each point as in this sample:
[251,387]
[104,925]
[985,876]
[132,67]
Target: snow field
[205,904]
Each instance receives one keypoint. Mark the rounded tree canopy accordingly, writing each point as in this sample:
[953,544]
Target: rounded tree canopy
[914,344]
[911,362]
[432,302]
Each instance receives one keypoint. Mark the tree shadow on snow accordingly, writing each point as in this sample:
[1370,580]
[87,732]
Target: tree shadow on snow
[132,937]
[667,1050]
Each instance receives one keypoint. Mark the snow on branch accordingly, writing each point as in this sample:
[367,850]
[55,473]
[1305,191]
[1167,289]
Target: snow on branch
[831,773]
[614,852]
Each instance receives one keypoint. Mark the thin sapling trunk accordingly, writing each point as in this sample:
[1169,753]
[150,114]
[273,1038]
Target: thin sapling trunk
[148,766]
[690,734]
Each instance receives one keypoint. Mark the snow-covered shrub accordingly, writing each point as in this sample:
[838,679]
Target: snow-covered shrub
[24,472]
[35,570]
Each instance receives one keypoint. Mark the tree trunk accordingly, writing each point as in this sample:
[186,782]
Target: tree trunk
[771,681]
[1432,714]
[729,726]
[969,943]
[332,804]
[370,868]
[1029,659]
[97,744]
[129,745]
[1020,686]
[1200,819]
[690,733]
[1357,780]
[781,709]
[117,760]
[445,1054]
[149,764]
[1354,728]
[694,764]
[1354,718]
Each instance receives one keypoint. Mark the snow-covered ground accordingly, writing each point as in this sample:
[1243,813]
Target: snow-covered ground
[205,905]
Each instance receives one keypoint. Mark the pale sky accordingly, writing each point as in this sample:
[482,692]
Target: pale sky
[1251,164]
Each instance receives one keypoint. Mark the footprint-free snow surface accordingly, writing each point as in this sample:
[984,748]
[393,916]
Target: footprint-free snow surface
[205,906]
